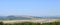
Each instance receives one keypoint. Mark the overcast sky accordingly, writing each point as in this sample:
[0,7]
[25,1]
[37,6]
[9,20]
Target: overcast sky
[30,7]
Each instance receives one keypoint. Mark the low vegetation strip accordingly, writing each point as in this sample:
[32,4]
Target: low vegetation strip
[30,23]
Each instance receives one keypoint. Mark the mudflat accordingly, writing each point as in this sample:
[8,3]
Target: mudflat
[33,20]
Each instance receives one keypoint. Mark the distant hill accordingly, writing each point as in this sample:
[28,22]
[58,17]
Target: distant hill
[24,17]
[11,17]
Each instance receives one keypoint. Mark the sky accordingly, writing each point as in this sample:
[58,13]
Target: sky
[30,7]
